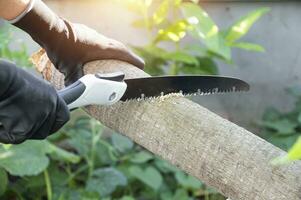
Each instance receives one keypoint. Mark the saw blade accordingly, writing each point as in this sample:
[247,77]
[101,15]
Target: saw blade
[149,87]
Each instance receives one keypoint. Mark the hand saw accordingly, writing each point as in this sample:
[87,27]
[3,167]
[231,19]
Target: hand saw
[107,89]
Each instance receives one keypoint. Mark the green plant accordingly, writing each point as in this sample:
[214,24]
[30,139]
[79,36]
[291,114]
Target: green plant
[168,22]
[96,166]
[19,55]
[284,128]
[84,162]
[80,162]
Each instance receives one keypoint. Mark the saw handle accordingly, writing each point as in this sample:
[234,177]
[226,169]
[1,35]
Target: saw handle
[72,92]
[94,89]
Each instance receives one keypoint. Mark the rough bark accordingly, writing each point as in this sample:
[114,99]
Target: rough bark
[218,152]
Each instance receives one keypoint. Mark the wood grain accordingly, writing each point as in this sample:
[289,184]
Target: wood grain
[216,151]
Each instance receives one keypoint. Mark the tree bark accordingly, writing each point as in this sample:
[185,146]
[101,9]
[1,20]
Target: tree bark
[216,151]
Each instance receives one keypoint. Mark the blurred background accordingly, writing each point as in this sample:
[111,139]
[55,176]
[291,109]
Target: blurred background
[268,73]
[257,41]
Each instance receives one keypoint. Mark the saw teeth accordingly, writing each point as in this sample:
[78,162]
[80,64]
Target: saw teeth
[198,92]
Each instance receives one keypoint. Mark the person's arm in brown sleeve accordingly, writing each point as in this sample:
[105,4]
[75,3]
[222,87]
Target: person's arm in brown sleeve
[69,46]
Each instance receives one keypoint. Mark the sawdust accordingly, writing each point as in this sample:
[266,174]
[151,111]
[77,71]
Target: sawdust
[158,99]
[168,96]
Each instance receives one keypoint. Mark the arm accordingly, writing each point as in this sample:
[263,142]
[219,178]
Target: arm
[68,45]
[30,108]
[10,9]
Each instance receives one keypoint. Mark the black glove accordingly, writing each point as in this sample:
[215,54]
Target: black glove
[30,108]
[69,46]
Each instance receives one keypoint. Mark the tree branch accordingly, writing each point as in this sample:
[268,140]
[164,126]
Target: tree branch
[216,151]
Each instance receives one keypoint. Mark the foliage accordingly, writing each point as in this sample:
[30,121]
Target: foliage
[97,166]
[284,129]
[168,23]
[82,161]
[19,56]
[30,158]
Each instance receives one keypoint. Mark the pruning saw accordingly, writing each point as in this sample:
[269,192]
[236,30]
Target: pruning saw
[107,89]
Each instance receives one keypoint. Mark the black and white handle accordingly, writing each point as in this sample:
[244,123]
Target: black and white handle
[94,89]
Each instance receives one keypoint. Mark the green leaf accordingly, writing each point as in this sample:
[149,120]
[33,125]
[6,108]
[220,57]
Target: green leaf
[3,181]
[105,153]
[164,166]
[241,27]
[181,56]
[85,195]
[175,32]
[205,29]
[161,13]
[105,181]
[181,194]
[121,143]
[203,26]
[67,193]
[150,176]
[28,158]
[141,157]
[282,126]
[150,50]
[283,141]
[81,123]
[293,154]
[248,46]
[127,198]
[204,66]
[299,118]
[63,155]
[32,183]
[152,56]
[223,50]
[166,196]
[81,141]
[187,181]
[57,176]
[196,50]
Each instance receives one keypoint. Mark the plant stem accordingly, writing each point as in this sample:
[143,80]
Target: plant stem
[48,185]
[73,175]
[95,138]
[91,161]
[207,195]
[173,69]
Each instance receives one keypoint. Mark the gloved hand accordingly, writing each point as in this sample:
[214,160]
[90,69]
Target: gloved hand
[30,108]
[69,46]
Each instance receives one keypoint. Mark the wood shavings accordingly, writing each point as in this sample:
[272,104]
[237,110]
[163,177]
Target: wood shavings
[171,95]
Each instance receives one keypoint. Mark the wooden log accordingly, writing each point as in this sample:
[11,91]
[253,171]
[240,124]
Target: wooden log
[216,151]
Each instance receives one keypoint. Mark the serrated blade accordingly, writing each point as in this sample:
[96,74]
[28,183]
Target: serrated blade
[148,87]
